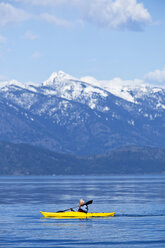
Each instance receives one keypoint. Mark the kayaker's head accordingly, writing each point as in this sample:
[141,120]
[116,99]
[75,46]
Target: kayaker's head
[81,202]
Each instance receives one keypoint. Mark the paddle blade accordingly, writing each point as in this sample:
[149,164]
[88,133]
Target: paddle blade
[88,203]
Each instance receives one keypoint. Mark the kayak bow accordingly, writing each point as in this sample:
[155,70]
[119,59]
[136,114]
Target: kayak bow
[73,214]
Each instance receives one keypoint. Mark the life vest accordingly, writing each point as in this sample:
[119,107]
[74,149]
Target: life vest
[81,210]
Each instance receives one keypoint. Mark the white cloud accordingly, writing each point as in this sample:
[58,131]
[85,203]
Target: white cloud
[118,14]
[30,36]
[3,39]
[111,14]
[109,84]
[55,20]
[157,76]
[10,14]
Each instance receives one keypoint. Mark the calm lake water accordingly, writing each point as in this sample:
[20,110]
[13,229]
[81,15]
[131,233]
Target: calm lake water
[139,203]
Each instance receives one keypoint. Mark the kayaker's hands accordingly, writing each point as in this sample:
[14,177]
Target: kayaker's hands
[71,209]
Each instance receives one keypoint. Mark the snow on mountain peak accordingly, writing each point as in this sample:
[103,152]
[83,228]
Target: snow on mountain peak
[6,85]
[65,86]
[88,88]
[124,88]
[11,82]
[116,87]
[58,77]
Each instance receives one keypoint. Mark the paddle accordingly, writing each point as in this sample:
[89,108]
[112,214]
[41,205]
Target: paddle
[86,203]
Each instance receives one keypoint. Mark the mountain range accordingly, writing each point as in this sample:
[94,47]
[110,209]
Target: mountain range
[80,117]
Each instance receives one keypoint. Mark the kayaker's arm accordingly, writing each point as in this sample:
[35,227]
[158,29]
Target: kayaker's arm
[71,209]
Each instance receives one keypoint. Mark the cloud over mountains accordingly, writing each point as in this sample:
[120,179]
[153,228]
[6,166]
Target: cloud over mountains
[156,76]
[119,14]
[110,14]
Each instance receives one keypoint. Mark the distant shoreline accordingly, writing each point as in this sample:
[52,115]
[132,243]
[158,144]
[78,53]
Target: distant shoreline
[27,160]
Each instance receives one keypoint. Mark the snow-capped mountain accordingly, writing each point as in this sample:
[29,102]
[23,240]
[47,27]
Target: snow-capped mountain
[82,116]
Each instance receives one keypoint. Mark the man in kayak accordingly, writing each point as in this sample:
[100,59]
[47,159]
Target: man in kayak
[80,207]
[81,204]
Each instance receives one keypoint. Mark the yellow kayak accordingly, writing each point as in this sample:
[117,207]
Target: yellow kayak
[72,214]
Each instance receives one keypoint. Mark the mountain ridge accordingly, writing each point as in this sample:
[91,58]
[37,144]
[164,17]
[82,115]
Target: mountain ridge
[68,115]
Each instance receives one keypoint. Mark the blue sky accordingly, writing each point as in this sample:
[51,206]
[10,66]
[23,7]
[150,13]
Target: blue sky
[104,39]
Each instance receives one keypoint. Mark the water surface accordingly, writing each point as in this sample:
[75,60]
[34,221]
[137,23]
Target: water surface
[139,203]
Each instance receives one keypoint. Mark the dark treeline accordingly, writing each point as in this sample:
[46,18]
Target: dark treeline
[23,159]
